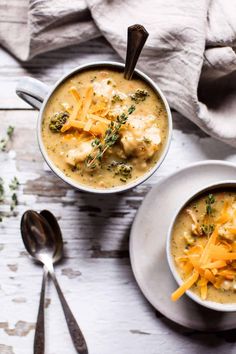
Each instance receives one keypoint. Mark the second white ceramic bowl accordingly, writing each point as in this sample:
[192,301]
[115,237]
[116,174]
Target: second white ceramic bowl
[206,303]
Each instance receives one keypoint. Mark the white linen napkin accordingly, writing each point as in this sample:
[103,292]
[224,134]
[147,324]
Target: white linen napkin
[189,52]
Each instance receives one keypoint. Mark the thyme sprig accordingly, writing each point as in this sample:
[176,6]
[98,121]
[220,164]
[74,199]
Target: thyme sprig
[14,184]
[112,134]
[13,187]
[208,226]
[210,200]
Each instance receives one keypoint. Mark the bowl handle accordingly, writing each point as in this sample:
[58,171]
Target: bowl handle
[32,91]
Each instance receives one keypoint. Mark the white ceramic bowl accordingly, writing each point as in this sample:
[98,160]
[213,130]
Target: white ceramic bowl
[209,304]
[37,94]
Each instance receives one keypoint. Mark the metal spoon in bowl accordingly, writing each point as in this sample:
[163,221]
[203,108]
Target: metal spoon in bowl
[137,36]
[43,243]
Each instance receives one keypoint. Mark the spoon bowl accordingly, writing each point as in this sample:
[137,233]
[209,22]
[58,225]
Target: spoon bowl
[38,236]
[52,221]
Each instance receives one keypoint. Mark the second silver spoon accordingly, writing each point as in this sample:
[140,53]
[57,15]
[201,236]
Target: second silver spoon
[39,337]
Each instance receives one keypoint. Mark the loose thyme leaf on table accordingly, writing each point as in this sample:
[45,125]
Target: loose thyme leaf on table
[4,141]
[14,201]
[14,184]
[2,194]
[10,131]
[111,136]
[2,191]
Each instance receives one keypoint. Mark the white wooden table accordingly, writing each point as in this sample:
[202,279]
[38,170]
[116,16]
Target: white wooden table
[95,275]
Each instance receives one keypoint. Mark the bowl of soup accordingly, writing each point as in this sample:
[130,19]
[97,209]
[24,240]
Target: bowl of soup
[98,131]
[201,247]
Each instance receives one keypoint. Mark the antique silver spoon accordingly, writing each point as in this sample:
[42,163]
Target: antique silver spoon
[44,244]
[39,339]
[137,36]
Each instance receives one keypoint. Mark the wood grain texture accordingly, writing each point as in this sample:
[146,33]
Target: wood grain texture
[95,274]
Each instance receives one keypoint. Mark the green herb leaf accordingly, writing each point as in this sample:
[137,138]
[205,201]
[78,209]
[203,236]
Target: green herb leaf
[131,109]
[9,135]
[147,140]
[14,184]
[10,131]
[116,99]
[207,229]
[210,200]
[14,201]
[2,191]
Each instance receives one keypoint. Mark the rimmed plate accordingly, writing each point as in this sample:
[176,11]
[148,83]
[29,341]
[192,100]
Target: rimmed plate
[148,241]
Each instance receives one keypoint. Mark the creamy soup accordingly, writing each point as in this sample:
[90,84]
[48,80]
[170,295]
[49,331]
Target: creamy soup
[204,246]
[102,130]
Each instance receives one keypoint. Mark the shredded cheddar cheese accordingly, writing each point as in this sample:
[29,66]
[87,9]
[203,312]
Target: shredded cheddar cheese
[92,118]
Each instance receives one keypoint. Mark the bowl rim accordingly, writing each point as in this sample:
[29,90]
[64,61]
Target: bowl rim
[227,307]
[81,186]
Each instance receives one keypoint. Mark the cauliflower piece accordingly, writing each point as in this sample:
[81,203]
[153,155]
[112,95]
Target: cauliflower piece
[227,230]
[228,285]
[118,103]
[140,136]
[80,153]
[225,234]
[189,239]
[117,110]
[104,87]
[114,99]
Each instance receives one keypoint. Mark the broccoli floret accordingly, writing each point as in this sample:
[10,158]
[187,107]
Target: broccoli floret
[122,169]
[139,95]
[57,121]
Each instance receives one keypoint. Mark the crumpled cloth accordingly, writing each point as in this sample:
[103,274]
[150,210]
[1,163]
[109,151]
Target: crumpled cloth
[189,52]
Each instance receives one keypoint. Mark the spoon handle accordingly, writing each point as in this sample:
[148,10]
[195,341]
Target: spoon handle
[39,342]
[137,36]
[75,332]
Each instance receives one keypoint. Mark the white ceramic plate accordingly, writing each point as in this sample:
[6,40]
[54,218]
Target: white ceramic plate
[148,241]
